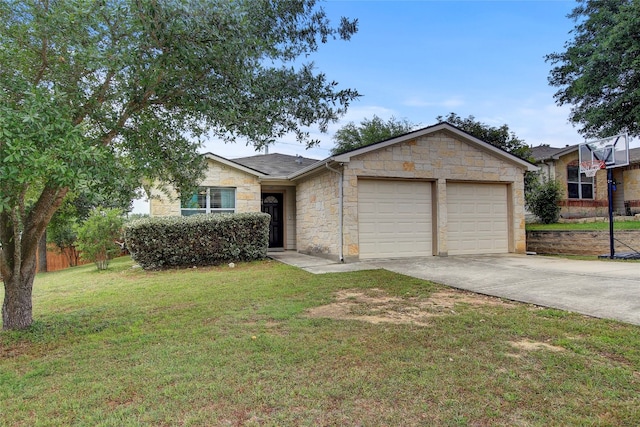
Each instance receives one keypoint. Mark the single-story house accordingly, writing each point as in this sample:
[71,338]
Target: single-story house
[433,191]
[585,196]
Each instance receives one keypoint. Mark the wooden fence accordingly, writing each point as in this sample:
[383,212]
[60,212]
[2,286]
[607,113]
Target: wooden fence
[57,260]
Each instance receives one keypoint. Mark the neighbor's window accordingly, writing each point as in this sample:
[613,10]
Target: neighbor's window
[211,200]
[579,186]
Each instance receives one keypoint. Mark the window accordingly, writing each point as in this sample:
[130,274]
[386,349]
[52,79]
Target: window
[211,200]
[579,186]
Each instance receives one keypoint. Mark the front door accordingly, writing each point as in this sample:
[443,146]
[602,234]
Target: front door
[272,204]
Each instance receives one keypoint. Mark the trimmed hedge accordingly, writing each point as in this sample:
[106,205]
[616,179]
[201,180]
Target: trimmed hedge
[198,240]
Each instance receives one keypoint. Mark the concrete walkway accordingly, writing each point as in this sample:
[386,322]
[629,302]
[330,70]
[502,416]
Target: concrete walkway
[317,265]
[602,288]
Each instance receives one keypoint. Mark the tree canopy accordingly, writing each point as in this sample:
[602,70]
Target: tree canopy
[598,73]
[100,95]
[352,136]
[501,137]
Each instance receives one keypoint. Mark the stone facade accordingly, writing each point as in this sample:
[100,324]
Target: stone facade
[320,210]
[631,182]
[439,157]
[249,191]
[318,219]
[218,175]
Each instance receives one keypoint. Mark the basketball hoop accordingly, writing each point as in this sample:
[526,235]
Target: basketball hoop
[606,153]
[591,167]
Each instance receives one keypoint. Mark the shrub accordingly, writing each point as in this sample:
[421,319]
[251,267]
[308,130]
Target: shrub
[98,234]
[542,200]
[198,240]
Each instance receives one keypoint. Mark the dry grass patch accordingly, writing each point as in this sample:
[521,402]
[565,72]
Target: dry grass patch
[529,345]
[376,306]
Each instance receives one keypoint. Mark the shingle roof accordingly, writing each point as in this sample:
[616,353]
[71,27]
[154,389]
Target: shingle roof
[543,152]
[275,164]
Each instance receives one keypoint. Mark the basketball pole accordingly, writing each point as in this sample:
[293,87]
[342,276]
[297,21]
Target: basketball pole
[610,194]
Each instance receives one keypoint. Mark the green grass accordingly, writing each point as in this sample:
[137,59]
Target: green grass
[590,226]
[221,346]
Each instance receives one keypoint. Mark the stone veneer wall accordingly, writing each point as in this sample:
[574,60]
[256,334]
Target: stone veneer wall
[218,175]
[439,157]
[317,219]
[631,181]
[581,242]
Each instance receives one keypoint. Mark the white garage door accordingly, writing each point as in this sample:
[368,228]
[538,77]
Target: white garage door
[478,218]
[394,219]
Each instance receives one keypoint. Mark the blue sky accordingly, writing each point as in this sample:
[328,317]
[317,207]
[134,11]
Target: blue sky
[421,59]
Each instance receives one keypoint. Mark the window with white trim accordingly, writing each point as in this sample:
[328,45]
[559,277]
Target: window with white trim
[210,200]
[579,186]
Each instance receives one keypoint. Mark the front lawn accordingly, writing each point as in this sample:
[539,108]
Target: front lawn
[265,344]
[588,226]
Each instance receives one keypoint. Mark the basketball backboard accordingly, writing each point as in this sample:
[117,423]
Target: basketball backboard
[609,153]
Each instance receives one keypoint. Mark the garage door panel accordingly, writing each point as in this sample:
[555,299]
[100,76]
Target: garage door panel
[482,227]
[407,211]
[394,218]
[465,227]
[484,209]
[404,228]
[477,218]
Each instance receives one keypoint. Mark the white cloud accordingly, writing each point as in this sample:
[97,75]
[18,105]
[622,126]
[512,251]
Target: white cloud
[548,124]
[450,102]
[535,120]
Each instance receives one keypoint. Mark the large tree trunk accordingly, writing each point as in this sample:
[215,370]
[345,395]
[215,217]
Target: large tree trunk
[17,311]
[20,235]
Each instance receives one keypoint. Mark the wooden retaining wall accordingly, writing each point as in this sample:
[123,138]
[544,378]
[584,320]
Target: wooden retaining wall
[581,242]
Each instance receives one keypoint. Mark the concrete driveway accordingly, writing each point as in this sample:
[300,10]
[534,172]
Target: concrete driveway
[602,288]
[605,289]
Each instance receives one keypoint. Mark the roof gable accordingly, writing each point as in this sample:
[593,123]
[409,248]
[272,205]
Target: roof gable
[444,126]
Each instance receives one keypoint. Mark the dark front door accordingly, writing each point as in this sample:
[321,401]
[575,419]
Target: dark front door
[272,204]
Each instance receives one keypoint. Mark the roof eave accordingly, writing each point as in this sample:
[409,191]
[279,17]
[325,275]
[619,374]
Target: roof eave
[312,168]
[235,165]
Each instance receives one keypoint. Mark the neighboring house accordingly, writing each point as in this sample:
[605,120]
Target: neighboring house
[585,196]
[434,191]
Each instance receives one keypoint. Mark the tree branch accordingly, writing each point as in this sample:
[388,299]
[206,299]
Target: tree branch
[96,99]
[43,52]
